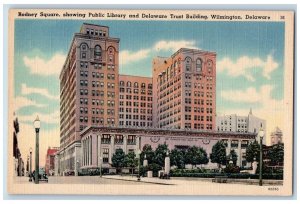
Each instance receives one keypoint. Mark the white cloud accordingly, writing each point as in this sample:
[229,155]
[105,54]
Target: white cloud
[174,45]
[52,118]
[250,95]
[26,139]
[244,66]
[127,56]
[272,110]
[25,90]
[21,102]
[44,67]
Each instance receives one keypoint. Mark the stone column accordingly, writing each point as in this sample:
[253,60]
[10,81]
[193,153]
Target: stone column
[137,145]
[228,146]
[90,139]
[112,150]
[87,151]
[239,153]
[125,143]
[84,151]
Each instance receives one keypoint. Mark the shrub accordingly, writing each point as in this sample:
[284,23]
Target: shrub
[229,175]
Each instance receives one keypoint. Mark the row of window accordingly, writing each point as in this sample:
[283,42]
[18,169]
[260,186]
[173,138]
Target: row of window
[110,121]
[96,66]
[96,32]
[119,139]
[136,104]
[135,123]
[136,110]
[135,97]
[136,91]
[136,117]
[135,85]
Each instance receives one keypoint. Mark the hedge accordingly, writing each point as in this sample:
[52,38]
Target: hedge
[235,176]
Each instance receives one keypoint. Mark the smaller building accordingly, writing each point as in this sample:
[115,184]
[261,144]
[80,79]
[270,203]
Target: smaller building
[243,124]
[276,136]
[50,160]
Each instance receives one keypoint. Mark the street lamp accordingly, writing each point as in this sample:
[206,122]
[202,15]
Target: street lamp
[261,135]
[139,163]
[100,165]
[30,164]
[37,125]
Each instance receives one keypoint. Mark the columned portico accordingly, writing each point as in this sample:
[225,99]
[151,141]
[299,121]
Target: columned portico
[101,142]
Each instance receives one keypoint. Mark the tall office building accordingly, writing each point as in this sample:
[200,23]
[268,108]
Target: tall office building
[89,89]
[184,90]
[135,101]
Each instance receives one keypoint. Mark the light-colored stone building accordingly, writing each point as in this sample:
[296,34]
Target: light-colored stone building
[101,142]
[244,124]
[276,136]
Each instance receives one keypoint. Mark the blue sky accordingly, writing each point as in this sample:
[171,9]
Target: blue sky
[250,58]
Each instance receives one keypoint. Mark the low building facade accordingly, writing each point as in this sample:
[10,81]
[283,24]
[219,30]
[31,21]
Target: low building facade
[100,143]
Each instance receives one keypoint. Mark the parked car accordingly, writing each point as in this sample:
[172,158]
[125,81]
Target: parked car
[42,175]
[69,172]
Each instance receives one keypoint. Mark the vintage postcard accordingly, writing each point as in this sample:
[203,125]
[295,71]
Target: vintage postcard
[150,102]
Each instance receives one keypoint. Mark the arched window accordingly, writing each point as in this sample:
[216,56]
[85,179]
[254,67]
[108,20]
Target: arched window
[136,85]
[121,83]
[188,64]
[111,55]
[129,84]
[97,52]
[83,50]
[178,66]
[198,65]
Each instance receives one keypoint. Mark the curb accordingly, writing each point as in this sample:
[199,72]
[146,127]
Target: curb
[140,181]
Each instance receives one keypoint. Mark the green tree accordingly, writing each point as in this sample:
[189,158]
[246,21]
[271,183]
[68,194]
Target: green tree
[130,161]
[218,154]
[196,155]
[276,154]
[232,156]
[118,160]
[177,158]
[147,150]
[160,154]
[253,151]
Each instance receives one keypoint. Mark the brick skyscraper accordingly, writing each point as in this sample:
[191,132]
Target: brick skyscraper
[89,89]
[184,90]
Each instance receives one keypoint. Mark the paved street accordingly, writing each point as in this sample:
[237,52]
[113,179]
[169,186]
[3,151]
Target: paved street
[81,180]
[129,180]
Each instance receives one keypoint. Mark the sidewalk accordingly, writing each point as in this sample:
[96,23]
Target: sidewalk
[185,180]
[153,180]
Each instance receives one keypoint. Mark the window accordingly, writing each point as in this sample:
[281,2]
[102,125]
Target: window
[105,155]
[105,139]
[188,64]
[97,52]
[119,139]
[131,139]
[198,65]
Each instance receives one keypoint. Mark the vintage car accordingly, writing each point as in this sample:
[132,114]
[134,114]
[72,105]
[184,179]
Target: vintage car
[42,175]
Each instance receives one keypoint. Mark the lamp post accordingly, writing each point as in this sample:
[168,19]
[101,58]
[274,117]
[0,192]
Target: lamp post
[139,163]
[100,166]
[261,135]
[37,125]
[30,164]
